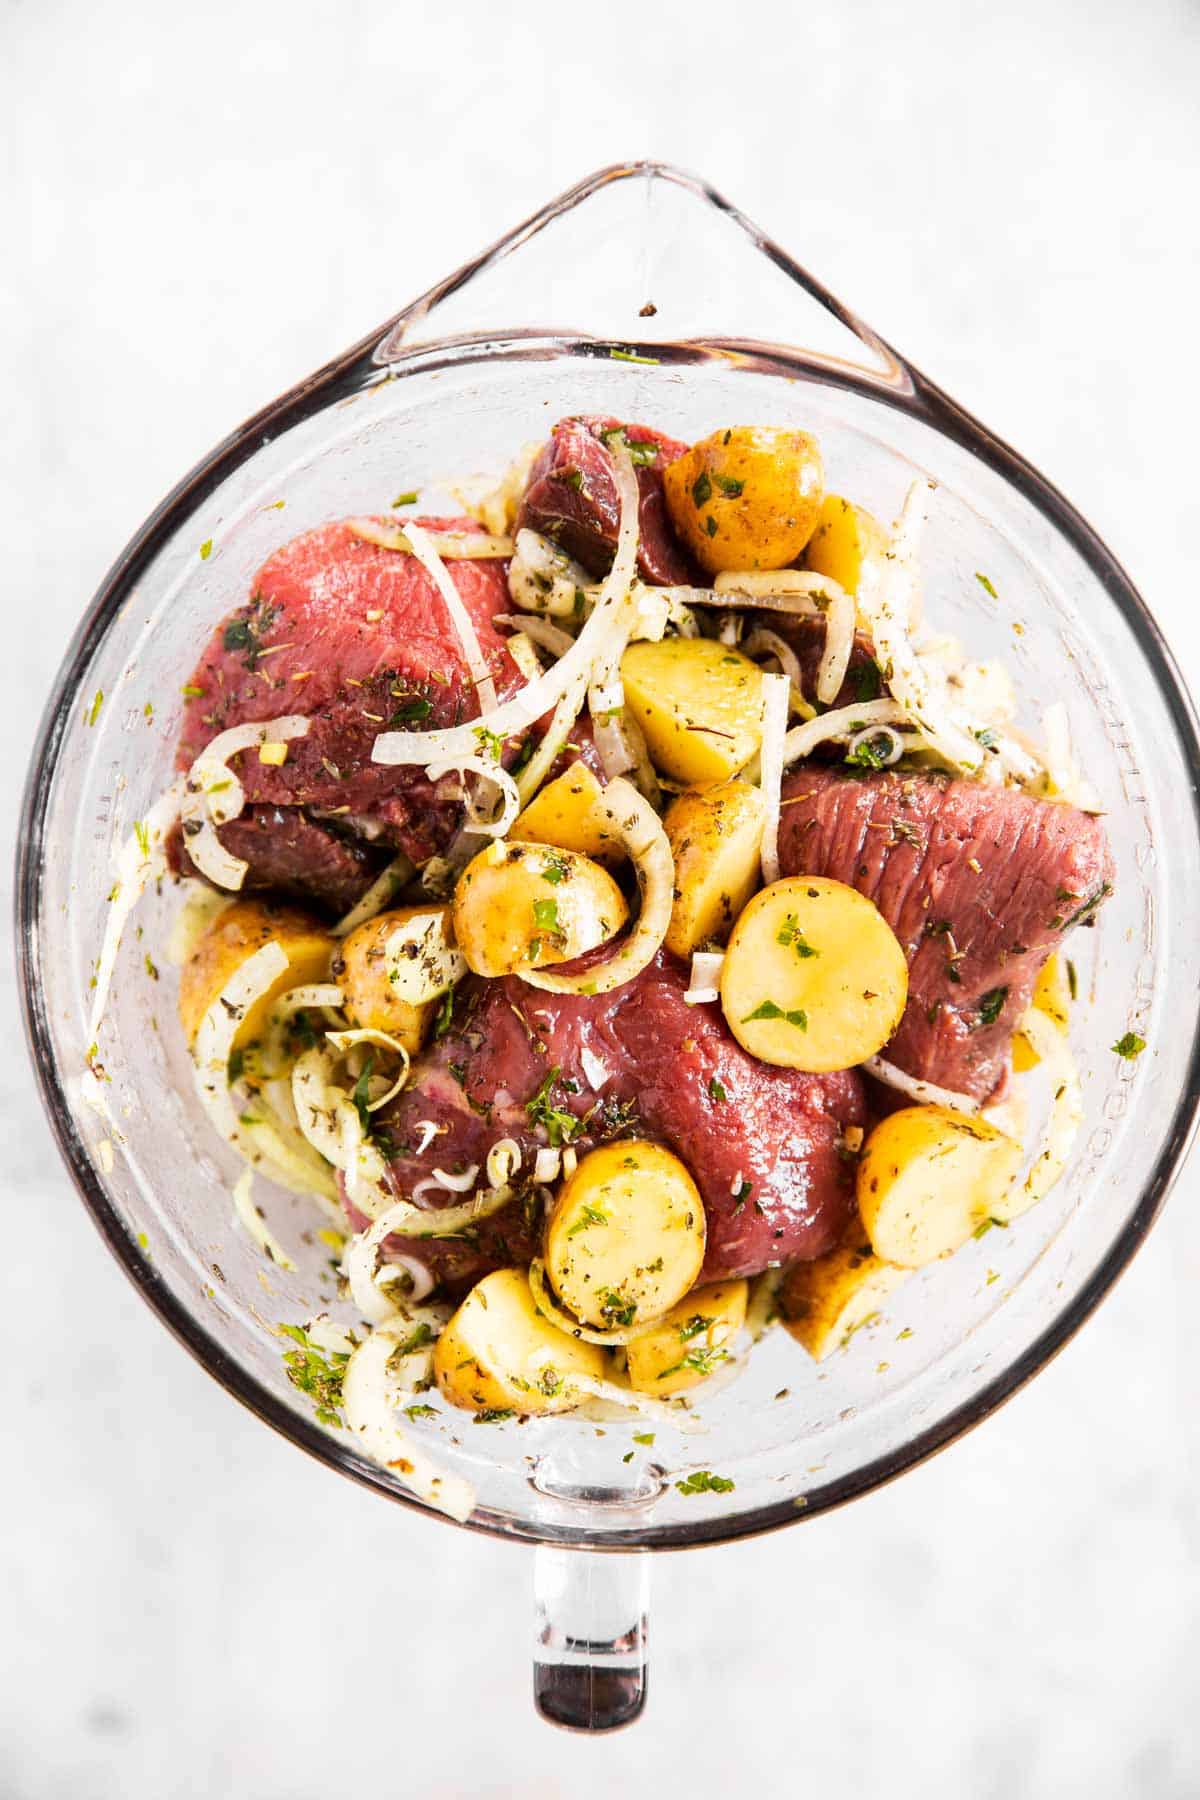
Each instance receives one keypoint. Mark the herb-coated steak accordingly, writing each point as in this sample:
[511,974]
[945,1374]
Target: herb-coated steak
[286,852]
[762,1144]
[980,885]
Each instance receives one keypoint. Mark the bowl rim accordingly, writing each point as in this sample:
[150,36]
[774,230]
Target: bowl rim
[899,384]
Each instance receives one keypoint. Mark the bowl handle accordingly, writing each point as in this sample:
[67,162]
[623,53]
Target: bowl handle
[589,1650]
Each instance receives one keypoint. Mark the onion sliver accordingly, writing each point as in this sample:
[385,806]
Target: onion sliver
[382,1040]
[360,1258]
[601,639]
[704,983]
[254,1223]
[218,1028]
[379,895]
[460,618]
[795,591]
[141,860]
[566,712]
[371,1391]
[554,1314]
[843,722]
[458,546]
[491,771]
[925,1093]
[635,825]
[1053,1049]
[775,695]
[213,795]
[547,636]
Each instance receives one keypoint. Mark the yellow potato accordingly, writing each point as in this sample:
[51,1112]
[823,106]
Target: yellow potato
[813,977]
[366,974]
[715,835]
[565,813]
[1051,995]
[928,1179]
[746,498]
[847,544]
[691,1342]
[498,1353]
[625,1239]
[522,906]
[231,939]
[824,1302]
[699,704]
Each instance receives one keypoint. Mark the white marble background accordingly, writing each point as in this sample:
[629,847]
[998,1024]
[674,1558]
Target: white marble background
[199,204]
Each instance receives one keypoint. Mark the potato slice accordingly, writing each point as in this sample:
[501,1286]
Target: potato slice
[928,1178]
[747,497]
[699,704]
[824,1302]
[565,813]
[625,1239]
[231,939]
[715,835]
[813,977]
[1051,995]
[523,906]
[498,1353]
[848,544]
[365,973]
[690,1342]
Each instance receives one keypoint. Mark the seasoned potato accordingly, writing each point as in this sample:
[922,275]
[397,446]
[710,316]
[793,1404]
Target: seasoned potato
[1051,995]
[497,1352]
[565,813]
[231,939]
[521,906]
[848,544]
[368,971]
[928,1179]
[746,498]
[691,1342]
[699,704]
[715,835]
[824,1302]
[625,1240]
[813,977]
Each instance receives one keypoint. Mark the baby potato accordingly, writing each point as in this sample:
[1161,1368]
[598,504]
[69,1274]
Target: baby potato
[1051,995]
[691,1342]
[825,1301]
[565,813]
[813,977]
[715,835]
[521,906]
[699,704]
[928,1178]
[366,971]
[231,939]
[497,1352]
[625,1239]
[848,544]
[746,498]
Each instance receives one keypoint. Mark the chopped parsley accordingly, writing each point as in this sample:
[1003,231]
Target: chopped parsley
[420,1411]
[867,755]
[494,1415]
[1129,1046]
[716,1092]
[406,499]
[710,526]
[614,1307]
[411,710]
[701,1361]
[317,1373]
[490,742]
[643,1437]
[151,967]
[588,1215]
[701,490]
[868,682]
[986,585]
[555,870]
[703,1481]
[560,1125]
[695,1325]
[769,1010]
[641,453]
[93,712]
[991,1005]
[742,1194]
[791,937]
[545,915]
[191,692]
[985,739]
[445,1015]
[248,633]
[729,486]
[206,550]
[418,1337]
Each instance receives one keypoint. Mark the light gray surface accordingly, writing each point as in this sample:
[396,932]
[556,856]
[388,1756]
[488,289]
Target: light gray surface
[198,208]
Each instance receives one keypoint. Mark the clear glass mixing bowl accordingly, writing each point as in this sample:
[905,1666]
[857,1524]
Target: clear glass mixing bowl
[643,294]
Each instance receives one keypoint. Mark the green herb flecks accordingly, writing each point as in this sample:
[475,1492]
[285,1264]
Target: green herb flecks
[420,1411]
[701,490]
[615,1307]
[868,682]
[411,711]
[791,937]
[317,1373]
[362,1093]
[703,1481]
[729,485]
[409,499]
[589,1215]
[1130,1046]
[93,711]
[716,1092]
[206,550]
[559,1124]
[991,1005]
[769,1010]
[872,752]
[986,585]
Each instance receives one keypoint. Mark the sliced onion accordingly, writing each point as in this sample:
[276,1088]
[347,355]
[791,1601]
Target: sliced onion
[571,1327]
[140,861]
[521,648]
[543,579]
[213,795]
[842,722]
[213,1043]
[461,1183]
[477,664]
[926,1093]
[441,1222]
[762,1311]
[547,1164]
[421,960]
[637,827]
[458,546]
[371,1392]
[870,737]
[621,746]
[602,639]
[704,983]
[500,778]
[775,694]
[762,642]
[798,592]
[378,897]
[503,1162]
[383,1040]
[256,1226]
[565,714]
[1053,1048]
[596,1071]
[548,637]
[420,1277]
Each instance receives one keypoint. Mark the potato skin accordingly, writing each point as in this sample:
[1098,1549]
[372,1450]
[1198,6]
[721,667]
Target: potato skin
[813,977]
[715,835]
[497,1352]
[231,939]
[848,545]
[690,1342]
[823,1302]
[928,1178]
[522,906]
[746,498]
[361,969]
[699,704]
[564,813]
[625,1239]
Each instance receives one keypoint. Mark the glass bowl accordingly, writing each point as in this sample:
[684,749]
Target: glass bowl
[643,294]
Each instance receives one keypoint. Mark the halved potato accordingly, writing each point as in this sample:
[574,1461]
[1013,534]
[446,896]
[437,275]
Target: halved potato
[368,974]
[231,939]
[625,1239]
[848,544]
[824,1302]
[747,497]
[497,1352]
[715,835]
[699,704]
[522,906]
[690,1342]
[565,813]
[928,1178]
[1052,996]
[814,977]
